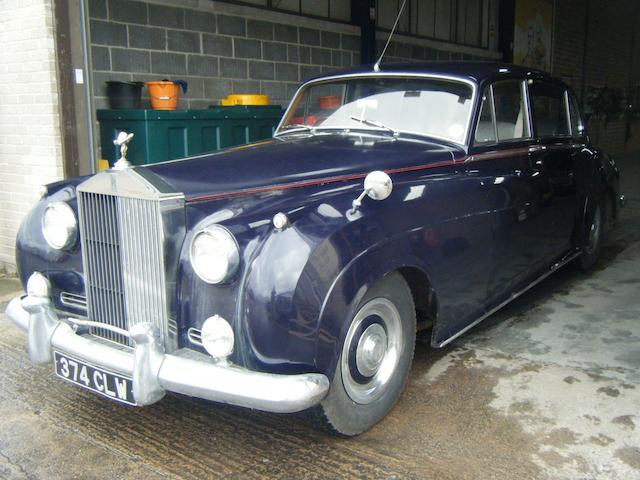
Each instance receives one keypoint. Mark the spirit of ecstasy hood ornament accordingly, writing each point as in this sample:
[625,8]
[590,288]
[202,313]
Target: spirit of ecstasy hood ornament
[122,140]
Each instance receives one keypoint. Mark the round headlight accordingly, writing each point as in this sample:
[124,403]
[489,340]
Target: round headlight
[59,225]
[215,255]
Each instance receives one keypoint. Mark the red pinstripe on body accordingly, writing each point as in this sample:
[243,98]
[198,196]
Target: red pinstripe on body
[356,176]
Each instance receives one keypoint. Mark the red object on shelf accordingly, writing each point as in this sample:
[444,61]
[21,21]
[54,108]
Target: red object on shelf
[330,102]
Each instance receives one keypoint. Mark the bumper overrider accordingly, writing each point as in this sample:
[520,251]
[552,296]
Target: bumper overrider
[154,372]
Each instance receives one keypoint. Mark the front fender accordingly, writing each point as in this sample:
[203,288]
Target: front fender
[350,287]
[306,282]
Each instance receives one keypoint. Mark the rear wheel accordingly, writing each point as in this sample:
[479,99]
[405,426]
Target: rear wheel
[592,238]
[375,360]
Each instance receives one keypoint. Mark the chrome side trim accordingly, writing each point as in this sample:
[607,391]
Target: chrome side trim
[154,372]
[513,296]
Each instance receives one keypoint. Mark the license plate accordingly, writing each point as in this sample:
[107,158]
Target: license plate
[111,385]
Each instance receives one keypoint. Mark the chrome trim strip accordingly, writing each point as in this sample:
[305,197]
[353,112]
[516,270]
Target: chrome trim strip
[89,323]
[195,336]
[154,372]
[453,78]
[553,268]
[73,300]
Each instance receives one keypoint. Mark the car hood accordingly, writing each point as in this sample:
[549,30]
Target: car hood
[297,161]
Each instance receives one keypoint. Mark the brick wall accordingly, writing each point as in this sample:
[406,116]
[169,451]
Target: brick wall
[609,56]
[30,139]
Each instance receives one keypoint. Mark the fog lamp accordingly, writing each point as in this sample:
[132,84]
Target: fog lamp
[217,337]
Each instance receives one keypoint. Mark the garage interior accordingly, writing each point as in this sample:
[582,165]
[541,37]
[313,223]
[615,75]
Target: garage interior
[548,387]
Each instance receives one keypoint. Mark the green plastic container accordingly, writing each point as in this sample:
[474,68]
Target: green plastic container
[161,135]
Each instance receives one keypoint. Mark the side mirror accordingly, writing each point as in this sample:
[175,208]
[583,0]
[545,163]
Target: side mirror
[377,186]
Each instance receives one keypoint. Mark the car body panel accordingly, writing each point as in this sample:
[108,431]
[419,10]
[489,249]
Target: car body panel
[477,224]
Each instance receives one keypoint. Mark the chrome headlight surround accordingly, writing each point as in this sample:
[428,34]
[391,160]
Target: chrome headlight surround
[214,254]
[59,226]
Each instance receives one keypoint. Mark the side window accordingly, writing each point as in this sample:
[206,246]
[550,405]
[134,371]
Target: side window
[511,113]
[485,131]
[549,109]
[577,128]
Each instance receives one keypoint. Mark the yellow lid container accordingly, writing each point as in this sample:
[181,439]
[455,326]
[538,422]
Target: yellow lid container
[245,99]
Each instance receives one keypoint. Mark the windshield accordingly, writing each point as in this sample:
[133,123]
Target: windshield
[424,106]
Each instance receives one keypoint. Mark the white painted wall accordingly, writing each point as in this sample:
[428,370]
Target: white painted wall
[30,134]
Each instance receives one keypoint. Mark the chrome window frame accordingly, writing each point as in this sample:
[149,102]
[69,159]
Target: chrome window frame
[524,92]
[428,76]
[564,96]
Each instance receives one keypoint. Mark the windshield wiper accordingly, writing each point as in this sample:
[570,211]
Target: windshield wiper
[375,123]
[293,126]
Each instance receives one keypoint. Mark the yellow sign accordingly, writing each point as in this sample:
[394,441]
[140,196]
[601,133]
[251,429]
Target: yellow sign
[533,33]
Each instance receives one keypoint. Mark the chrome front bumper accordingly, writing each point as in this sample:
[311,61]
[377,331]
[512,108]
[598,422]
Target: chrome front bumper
[154,372]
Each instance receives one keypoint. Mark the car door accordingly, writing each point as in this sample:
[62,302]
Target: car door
[554,160]
[518,214]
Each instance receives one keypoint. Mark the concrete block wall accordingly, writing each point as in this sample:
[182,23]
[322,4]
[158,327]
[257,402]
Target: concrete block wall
[30,137]
[215,49]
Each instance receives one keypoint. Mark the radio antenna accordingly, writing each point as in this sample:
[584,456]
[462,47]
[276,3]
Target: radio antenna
[376,66]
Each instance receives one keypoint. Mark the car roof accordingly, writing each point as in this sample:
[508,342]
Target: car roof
[478,72]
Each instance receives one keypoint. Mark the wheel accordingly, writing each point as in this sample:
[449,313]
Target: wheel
[375,360]
[592,238]
[609,213]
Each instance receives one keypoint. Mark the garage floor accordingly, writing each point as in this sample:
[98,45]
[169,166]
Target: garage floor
[547,388]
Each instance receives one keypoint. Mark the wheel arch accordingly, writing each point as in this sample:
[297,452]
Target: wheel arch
[351,286]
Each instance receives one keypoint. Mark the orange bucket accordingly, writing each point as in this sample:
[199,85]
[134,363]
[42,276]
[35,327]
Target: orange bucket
[330,102]
[164,95]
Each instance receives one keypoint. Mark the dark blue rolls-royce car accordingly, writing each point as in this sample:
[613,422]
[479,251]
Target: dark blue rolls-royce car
[292,274]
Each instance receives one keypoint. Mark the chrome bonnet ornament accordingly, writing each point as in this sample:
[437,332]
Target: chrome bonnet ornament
[122,140]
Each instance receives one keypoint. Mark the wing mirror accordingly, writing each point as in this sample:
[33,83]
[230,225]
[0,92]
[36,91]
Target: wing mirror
[377,186]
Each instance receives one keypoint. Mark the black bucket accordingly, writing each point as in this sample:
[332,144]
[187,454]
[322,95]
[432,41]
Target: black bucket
[124,94]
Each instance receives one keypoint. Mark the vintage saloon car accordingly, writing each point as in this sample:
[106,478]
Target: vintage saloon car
[268,277]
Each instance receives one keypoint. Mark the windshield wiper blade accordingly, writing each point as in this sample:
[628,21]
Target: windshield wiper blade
[293,126]
[375,123]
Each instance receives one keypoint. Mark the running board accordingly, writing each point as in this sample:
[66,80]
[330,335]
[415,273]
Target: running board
[566,259]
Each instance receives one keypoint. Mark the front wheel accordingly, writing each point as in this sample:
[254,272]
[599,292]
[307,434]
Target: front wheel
[374,362]
[592,238]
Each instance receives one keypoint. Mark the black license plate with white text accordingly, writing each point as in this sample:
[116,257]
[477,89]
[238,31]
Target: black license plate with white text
[109,384]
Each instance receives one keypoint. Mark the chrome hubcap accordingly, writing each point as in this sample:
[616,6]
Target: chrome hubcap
[371,351]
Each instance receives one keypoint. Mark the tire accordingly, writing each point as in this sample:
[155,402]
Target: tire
[592,237]
[369,378]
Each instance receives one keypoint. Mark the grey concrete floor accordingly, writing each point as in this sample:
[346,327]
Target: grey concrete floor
[547,388]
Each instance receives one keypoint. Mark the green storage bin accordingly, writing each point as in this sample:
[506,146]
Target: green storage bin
[161,135]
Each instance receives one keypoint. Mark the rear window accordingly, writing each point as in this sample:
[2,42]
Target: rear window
[549,108]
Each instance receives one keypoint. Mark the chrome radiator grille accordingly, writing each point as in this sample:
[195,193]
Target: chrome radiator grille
[126,255]
[123,253]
